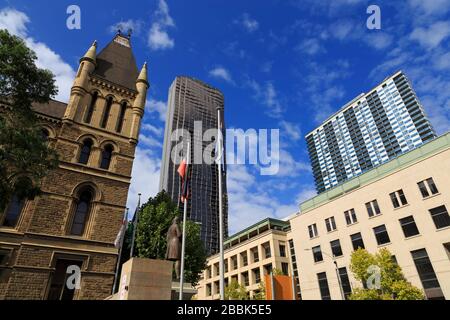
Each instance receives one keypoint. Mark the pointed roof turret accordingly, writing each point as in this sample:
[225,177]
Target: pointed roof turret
[116,63]
[143,75]
[91,54]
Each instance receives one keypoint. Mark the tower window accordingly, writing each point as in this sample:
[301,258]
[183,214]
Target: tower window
[106,157]
[13,212]
[123,108]
[44,135]
[90,110]
[109,103]
[81,212]
[85,151]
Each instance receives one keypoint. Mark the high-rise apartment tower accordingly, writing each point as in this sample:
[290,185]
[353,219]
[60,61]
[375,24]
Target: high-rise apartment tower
[368,131]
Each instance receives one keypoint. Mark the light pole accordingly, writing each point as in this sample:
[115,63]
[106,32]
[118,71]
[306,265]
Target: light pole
[337,272]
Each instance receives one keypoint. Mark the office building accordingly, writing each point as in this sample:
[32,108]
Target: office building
[190,101]
[368,131]
[248,256]
[402,205]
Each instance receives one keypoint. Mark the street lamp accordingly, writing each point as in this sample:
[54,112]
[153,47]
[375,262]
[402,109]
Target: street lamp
[337,272]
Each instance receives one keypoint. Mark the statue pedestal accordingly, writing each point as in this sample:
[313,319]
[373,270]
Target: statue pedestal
[145,279]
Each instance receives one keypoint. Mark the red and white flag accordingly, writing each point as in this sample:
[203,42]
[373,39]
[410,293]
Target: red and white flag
[183,171]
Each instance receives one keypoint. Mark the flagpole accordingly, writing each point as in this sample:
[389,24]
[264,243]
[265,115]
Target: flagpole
[133,238]
[219,165]
[183,241]
[116,275]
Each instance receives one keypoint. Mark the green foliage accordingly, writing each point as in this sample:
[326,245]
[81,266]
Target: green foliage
[25,158]
[236,291]
[361,260]
[393,284]
[277,272]
[261,294]
[195,260]
[404,290]
[155,219]
[368,294]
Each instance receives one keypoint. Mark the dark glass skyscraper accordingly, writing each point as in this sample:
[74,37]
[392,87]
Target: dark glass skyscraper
[191,100]
[368,131]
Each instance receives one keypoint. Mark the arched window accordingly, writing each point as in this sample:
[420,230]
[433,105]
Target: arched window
[82,210]
[13,211]
[123,108]
[45,134]
[85,151]
[90,109]
[109,103]
[106,157]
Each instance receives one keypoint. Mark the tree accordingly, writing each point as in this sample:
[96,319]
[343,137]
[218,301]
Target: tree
[195,260]
[155,219]
[235,291]
[261,294]
[392,285]
[25,158]
[277,272]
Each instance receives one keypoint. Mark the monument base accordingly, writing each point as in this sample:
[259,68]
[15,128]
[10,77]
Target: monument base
[145,279]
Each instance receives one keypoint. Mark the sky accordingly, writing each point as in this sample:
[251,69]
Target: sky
[281,64]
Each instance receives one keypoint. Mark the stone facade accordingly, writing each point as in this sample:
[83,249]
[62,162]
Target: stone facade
[42,236]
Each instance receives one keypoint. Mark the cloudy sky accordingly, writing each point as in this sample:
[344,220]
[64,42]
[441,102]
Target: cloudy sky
[280,64]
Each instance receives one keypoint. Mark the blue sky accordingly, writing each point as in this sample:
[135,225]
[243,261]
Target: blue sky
[280,64]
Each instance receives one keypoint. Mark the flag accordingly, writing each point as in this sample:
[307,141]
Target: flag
[183,171]
[135,225]
[121,234]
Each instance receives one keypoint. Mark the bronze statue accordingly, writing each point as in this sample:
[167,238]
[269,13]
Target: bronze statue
[173,252]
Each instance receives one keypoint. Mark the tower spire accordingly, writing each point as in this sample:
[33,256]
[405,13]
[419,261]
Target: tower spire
[143,75]
[91,54]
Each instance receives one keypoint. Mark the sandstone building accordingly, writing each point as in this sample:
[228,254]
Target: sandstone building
[76,219]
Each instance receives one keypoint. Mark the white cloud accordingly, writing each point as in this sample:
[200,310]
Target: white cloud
[310,47]
[266,67]
[124,26]
[430,7]
[249,24]
[289,167]
[268,96]
[431,37]
[149,141]
[292,130]
[342,29]
[307,192]
[151,128]
[158,107]
[144,178]
[221,73]
[378,40]
[16,23]
[158,37]
[247,204]
[442,62]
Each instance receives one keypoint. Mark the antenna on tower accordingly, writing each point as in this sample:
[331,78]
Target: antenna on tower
[130,31]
